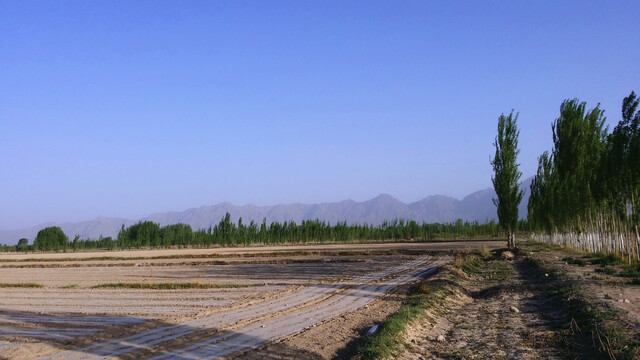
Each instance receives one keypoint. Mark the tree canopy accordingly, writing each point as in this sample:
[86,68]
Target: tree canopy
[51,238]
[506,177]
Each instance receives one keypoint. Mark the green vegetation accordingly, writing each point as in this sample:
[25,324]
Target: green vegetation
[169,286]
[586,192]
[387,341]
[631,271]
[226,233]
[430,295]
[506,177]
[574,261]
[483,252]
[51,238]
[20,285]
[604,259]
[600,326]
[606,270]
[23,245]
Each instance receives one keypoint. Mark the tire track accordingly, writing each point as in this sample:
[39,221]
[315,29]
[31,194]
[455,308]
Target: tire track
[287,303]
[257,335]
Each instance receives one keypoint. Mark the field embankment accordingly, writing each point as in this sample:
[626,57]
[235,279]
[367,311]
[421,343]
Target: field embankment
[543,303]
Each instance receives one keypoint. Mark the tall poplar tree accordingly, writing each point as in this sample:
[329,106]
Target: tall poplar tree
[506,177]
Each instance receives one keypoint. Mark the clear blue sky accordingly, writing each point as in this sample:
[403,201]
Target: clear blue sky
[129,108]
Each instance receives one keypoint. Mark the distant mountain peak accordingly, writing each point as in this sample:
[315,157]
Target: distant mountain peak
[477,206]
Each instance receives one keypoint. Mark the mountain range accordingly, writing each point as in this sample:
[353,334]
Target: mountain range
[477,206]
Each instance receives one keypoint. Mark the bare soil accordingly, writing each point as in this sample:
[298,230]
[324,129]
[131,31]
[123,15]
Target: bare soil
[303,302]
[508,311]
[287,305]
[485,318]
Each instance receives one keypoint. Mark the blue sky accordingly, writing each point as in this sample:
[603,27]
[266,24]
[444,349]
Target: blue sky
[129,108]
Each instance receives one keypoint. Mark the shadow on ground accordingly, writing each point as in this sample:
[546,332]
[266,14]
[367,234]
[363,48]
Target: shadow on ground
[132,338]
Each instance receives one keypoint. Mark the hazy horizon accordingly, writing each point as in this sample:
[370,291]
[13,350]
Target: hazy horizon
[163,211]
[125,109]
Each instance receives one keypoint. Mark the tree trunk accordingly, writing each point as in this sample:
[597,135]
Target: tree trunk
[511,243]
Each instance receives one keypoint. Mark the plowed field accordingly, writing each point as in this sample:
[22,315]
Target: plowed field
[230,300]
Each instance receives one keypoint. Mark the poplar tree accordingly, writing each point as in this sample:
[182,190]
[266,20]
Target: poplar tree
[506,177]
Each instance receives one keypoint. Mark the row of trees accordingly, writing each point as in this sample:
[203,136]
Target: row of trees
[227,233]
[586,192]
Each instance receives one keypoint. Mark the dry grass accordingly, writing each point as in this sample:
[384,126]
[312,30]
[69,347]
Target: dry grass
[20,285]
[169,285]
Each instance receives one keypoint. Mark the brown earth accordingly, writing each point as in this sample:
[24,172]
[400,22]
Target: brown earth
[295,302]
[326,298]
[508,310]
[431,246]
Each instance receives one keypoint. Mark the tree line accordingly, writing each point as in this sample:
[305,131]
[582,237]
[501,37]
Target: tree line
[148,234]
[586,191]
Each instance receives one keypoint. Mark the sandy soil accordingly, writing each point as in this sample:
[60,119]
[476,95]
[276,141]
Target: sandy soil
[434,246]
[287,299]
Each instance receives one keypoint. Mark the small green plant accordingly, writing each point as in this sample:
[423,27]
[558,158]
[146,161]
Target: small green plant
[388,341]
[606,270]
[574,261]
[483,252]
[609,337]
[472,265]
[605,259]
[631,271]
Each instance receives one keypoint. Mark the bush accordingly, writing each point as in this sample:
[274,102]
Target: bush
[574,261]
[51,238]
[606,270]
[605,260]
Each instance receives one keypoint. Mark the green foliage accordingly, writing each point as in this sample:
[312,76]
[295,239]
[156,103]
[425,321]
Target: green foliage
[227,233]
[23,245]
[605,259]
[387,341]
[563,190]
[586,191]
[472,265]
[620,182]
[606,270]
[506,177]
[51,238]
[574,261]
[631,271]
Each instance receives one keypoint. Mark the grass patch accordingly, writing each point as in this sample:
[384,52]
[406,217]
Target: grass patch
[387,341]
[606,270]
[168,286]
[598,326]
[574,261]
[632,271]
[72,286]
[484,267]
[472,265]
[605,259]
[483,252]
[20,285]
